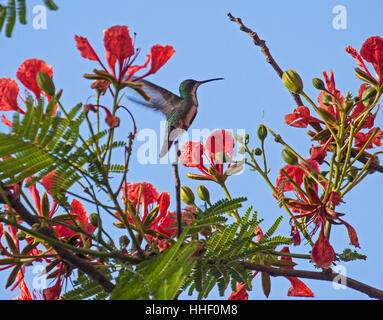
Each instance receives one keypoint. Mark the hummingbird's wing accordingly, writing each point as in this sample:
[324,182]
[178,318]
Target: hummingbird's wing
[161,99]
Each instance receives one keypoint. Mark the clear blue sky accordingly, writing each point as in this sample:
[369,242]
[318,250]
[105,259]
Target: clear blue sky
[300,35]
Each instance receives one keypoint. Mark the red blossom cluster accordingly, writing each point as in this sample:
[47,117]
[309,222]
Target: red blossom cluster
[119,47]
[26,74]
[217,151]
[67,229]
[310,206]
[158,223]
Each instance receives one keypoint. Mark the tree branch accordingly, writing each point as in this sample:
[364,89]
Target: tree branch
[64,254]
[270,59]
[178,188]
[326,275]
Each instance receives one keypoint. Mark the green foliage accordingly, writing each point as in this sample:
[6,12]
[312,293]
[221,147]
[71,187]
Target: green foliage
[85,288]
[220,261]
[348,255]
[40,143]
[14,9]
[158,278]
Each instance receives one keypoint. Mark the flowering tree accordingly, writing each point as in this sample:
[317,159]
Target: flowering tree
[51,152]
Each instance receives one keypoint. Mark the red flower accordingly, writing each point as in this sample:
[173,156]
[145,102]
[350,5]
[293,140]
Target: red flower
[218,149]
[132,190]
[371,51]
[119,48]
[300,118]
[81,219]
[316,211]
[28,71]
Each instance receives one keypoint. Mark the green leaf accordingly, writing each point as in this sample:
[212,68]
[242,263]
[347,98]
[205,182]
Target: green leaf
[51,5]
[160,277]
[10,18]
[21,11]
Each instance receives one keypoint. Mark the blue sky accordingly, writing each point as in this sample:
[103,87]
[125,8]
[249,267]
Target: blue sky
[300,35]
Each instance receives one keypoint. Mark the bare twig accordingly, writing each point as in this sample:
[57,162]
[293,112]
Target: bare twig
[265,50]
[178,188]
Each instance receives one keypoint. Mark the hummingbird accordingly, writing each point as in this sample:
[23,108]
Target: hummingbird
[180,111]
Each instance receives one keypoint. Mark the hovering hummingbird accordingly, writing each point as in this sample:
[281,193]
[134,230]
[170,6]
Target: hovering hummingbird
[180,111]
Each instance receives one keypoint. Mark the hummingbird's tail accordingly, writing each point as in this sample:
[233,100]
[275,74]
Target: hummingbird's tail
[171,134]
[165,148]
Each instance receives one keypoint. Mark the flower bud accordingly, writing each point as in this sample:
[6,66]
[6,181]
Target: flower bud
[45,83]
[326,100]
[44,206]
[369,94]
[318,84]
[93,218]
[187,196]
[124,241]
[365,77]
[292,81]
[203,193]
[289,157]
[257,151]
[262,132]
[352,173]
[21,235]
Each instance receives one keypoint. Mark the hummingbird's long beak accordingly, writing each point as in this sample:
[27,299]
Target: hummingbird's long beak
[201,82]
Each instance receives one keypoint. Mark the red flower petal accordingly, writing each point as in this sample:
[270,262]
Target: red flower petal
[118,45]
[160,55]
[9,91]
[53,293]
[322,253]
[6,121]
[239,294]
[258,233]
[85,48]
[300,118]
[372,51]
[351,233]
[191,154]
[298,288]
[164,203]
[220,141]
[28,71]
[133,69]
[47,181]
[149,195]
